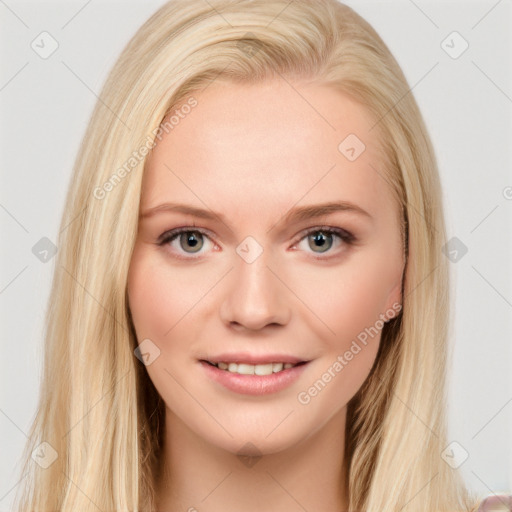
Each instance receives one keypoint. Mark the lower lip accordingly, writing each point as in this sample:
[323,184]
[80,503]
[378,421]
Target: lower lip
[254,384]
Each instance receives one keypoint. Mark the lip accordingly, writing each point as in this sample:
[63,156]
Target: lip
[254,384]
[245,357]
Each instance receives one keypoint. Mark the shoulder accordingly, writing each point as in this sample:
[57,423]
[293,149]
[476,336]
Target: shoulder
[496,503]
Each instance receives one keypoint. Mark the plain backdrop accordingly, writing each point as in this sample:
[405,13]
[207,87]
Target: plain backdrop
[465,95]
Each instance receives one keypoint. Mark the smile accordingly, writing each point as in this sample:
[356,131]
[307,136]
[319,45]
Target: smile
[253,379]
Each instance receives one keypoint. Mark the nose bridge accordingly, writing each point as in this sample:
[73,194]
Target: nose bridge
[254,296]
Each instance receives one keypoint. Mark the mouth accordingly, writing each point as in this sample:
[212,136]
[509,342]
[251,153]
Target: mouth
[243,368]
[247,374]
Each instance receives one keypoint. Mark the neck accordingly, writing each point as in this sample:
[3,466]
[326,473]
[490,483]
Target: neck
[199,476]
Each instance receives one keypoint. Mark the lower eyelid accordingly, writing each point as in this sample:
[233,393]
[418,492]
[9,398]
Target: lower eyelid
[344,236]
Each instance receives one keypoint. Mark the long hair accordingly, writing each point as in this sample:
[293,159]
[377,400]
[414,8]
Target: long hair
[99,416]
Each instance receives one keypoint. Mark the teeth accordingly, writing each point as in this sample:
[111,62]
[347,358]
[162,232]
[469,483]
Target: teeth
[277,367]
[263,369]
[244,369]
[253,369]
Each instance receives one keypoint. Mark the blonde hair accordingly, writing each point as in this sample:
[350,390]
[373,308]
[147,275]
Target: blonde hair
[98,408]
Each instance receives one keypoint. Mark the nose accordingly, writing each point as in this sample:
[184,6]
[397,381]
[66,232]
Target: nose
[254,297]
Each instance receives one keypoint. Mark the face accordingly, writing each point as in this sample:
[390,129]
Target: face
[263,272]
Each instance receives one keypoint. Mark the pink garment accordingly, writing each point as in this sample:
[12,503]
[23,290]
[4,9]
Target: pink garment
[496,503]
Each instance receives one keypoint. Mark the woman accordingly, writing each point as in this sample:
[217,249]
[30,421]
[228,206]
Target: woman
[250,306]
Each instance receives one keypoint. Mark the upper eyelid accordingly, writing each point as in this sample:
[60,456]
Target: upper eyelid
[336,230]
[185,229]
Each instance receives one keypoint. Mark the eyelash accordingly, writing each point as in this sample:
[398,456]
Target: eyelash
[345,236]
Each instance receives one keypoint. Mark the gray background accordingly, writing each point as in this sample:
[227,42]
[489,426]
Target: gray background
[466,102]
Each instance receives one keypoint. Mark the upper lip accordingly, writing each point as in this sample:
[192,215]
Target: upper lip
[245,357]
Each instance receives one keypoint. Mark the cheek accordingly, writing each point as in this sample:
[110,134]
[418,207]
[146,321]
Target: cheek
[158,297]
[148,303]
[348,301]
[161,302]
[348,298]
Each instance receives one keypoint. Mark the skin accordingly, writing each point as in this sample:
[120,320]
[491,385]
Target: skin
[252,152]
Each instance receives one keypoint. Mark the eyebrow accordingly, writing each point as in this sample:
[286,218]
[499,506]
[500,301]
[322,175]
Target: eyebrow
[294,215]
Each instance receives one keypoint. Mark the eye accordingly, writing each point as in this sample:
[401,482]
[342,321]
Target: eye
[321,239]
[188,241]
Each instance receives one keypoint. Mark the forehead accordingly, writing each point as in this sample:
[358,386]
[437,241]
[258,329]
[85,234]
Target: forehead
[273,142]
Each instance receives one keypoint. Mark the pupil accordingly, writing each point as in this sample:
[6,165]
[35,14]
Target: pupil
[191,239]
[320,242]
